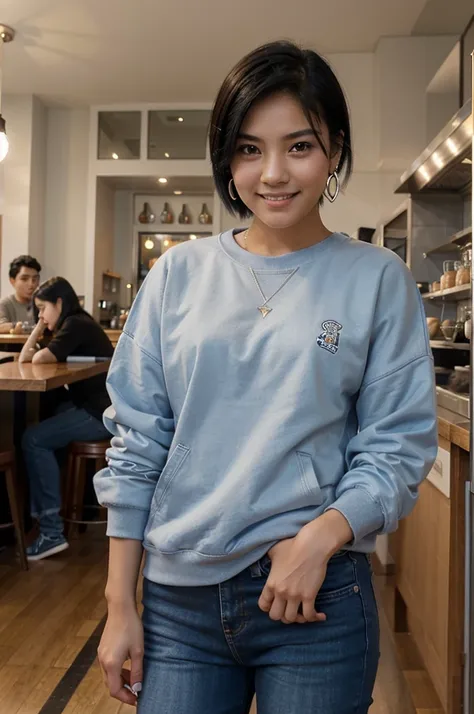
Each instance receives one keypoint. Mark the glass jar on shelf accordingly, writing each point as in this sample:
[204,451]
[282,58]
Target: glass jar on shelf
[467,324]
[463,274]
[448,279]
[459,326]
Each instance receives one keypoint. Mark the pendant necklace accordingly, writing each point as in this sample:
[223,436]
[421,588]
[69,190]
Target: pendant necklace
[264,309]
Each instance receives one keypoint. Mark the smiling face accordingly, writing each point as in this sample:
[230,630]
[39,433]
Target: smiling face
[49,312]
[279,167]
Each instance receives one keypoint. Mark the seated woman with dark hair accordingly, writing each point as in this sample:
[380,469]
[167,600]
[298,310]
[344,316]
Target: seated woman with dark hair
[74,332]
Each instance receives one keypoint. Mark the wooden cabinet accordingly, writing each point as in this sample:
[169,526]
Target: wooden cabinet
[429,550]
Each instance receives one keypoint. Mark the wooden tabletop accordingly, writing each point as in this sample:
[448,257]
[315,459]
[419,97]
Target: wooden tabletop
[16,377]
[7,356]
[7,339]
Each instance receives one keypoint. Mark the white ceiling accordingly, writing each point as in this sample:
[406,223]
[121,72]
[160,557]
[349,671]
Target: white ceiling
[81,52]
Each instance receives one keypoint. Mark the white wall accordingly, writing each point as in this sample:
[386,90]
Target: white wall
[440,109]
[18,112]
[124,256]
[37,210]
[405,67]
[392,119]
[66,193]
[104,237]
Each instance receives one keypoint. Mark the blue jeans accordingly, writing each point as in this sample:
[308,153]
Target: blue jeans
[209,649]
[39,443]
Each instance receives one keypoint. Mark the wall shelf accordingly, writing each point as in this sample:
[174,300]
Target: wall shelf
[456,243]
[168,228]
[462,292]
[442,345]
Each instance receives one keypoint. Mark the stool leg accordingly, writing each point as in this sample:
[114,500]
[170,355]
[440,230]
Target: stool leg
[80,487]
[69,494]
[12,489]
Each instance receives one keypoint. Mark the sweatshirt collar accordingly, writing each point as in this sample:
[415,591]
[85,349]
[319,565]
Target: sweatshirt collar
[278,262]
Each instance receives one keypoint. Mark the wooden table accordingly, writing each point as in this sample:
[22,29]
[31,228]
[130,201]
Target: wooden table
[113,336]
[35,378]
[8,339]
[27,377]
[7,356]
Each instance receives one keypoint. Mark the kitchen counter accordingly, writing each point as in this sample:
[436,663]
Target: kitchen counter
[428,552]
[454,428]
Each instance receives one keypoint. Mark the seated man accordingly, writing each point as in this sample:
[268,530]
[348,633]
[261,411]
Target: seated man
[18,308]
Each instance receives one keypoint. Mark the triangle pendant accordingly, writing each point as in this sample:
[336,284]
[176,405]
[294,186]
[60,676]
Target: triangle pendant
[264,310]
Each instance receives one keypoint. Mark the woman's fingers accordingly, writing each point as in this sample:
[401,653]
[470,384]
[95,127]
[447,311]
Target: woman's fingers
[115,680]
[266,598]
[309,611]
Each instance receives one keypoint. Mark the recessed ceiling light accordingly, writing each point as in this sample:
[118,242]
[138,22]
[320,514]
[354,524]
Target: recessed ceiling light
[129,286]
[162,180]
[167,155]
[115,156]
[424,172]
[438,160]
[192,236]
[177,193]
[166,243]
[149,244]
[452,146]
[180,119]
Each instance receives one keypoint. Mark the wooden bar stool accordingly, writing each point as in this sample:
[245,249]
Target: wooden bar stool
[80,452]
[8,466]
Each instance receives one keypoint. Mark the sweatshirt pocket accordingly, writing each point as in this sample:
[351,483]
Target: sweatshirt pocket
[308,476]
[172,467]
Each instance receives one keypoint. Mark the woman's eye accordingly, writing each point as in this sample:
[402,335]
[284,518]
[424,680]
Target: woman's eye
[248,149]
[301,146]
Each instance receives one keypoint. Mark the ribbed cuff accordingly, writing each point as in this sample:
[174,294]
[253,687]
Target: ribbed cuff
[127,523]
[363,514]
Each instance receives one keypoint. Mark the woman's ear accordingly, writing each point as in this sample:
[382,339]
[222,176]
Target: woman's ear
[59,304]
[336,150]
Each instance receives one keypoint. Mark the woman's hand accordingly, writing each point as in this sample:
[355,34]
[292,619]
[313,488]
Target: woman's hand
[295,578]
[122,640]
[29,348]
[39,329]
[299,567]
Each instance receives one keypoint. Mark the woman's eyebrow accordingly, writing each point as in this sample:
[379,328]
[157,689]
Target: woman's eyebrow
[293,135]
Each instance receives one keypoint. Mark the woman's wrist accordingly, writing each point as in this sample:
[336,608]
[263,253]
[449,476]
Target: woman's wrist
[329,533]
[120,601]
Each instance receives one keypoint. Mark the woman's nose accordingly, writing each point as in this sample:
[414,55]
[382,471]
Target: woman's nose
[274,170]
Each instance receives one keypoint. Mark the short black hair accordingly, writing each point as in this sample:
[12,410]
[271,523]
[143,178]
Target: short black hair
[23,261]
[270,69]
[53,289]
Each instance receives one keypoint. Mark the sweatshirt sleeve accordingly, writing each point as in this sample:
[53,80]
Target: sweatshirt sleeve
[396,444]
[140,418]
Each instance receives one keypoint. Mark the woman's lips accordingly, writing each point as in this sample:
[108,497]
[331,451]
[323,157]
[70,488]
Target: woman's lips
[280,200]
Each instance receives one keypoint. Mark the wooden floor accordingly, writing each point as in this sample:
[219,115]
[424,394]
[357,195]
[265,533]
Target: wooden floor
[48,614]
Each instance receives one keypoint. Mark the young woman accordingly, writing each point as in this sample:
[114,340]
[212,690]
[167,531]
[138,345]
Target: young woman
[272,412]
[75,332]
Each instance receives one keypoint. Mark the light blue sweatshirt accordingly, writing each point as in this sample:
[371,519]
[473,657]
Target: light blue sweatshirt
[231,430]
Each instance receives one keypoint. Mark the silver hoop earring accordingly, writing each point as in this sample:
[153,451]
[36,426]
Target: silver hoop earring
[229,188]
[332,192]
